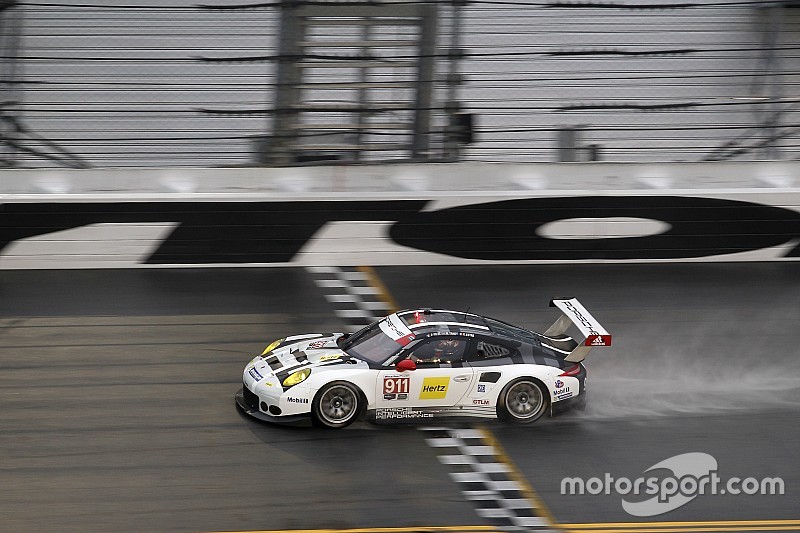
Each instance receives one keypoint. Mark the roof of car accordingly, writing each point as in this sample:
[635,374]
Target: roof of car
[426,320]
[415,319]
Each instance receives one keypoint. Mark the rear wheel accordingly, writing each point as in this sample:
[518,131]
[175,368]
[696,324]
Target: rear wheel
[522,401]
[337,405]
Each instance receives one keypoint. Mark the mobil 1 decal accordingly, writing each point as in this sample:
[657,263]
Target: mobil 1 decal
[512,229]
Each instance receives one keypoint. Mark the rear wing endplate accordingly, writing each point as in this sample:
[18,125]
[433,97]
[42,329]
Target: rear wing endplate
[592,333]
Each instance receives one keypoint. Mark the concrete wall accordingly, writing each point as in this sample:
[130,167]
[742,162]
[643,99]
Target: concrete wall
[404,214]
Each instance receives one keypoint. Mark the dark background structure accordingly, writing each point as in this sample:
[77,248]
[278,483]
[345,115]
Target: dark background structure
[224,82]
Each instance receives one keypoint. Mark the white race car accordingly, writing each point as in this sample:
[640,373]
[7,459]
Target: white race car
[423,364]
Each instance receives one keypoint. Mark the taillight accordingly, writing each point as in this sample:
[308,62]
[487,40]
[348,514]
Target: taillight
[574,370]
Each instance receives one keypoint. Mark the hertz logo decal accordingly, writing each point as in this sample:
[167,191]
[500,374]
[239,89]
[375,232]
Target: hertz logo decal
[434,388]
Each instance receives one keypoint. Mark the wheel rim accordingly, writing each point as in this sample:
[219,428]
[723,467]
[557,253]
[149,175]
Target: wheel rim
[524,400]
[338,404]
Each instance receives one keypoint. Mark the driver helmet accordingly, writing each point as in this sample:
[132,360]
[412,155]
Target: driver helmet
[448,346]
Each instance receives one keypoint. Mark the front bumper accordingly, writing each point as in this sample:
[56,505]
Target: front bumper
[253,411]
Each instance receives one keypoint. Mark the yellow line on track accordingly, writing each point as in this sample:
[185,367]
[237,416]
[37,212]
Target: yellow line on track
[421,529]
[516,475]
[378,284]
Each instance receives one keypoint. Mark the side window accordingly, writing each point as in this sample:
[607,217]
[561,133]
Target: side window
[487,350]
[440,350]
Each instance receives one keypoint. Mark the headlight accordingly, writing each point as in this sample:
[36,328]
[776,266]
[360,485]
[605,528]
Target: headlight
[297,377]
[272,346]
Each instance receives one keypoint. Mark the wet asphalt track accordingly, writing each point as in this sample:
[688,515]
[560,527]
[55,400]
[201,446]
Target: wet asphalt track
[117,414]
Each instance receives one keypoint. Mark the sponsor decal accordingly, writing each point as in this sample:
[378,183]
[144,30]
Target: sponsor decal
[480,402]
[400,412]
[396,385]
[564,396]
[401,396]
[296,400]
[561,391]
[481,388]
[255,374]
[559,383]
[330,357]
[395,396]
[434,388]
[598,340]
[317,344]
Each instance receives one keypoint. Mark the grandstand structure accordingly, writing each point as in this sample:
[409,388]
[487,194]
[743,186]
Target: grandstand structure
[289,82]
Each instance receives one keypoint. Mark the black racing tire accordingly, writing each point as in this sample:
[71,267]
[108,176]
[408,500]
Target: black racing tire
[337,405]
[523,401]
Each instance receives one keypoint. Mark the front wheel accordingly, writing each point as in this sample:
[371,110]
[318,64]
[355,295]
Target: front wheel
[522,401]
[336,405]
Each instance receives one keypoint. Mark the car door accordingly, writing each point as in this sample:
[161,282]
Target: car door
[437,385]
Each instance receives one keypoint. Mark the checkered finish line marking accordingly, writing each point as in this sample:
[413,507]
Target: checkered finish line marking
[488,478]
[357,294]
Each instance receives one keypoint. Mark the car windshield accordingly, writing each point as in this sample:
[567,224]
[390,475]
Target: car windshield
[371,344]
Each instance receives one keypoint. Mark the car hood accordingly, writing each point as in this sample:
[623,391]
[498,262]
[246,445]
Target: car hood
[313,350]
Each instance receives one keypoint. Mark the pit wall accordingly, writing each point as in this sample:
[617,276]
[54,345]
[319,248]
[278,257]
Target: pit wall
[401,214]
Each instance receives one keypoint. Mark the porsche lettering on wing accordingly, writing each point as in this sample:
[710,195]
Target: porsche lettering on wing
[582,319]
[420,364]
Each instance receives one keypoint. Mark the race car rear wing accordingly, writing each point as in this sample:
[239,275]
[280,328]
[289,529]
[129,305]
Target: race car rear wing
[592,333]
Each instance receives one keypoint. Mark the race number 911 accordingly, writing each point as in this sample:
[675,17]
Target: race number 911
[398,385]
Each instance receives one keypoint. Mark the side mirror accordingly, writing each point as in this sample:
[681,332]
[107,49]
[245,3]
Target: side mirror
[405,364]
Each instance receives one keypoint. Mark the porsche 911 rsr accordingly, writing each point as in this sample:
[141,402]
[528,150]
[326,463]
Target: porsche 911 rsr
[417,365]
